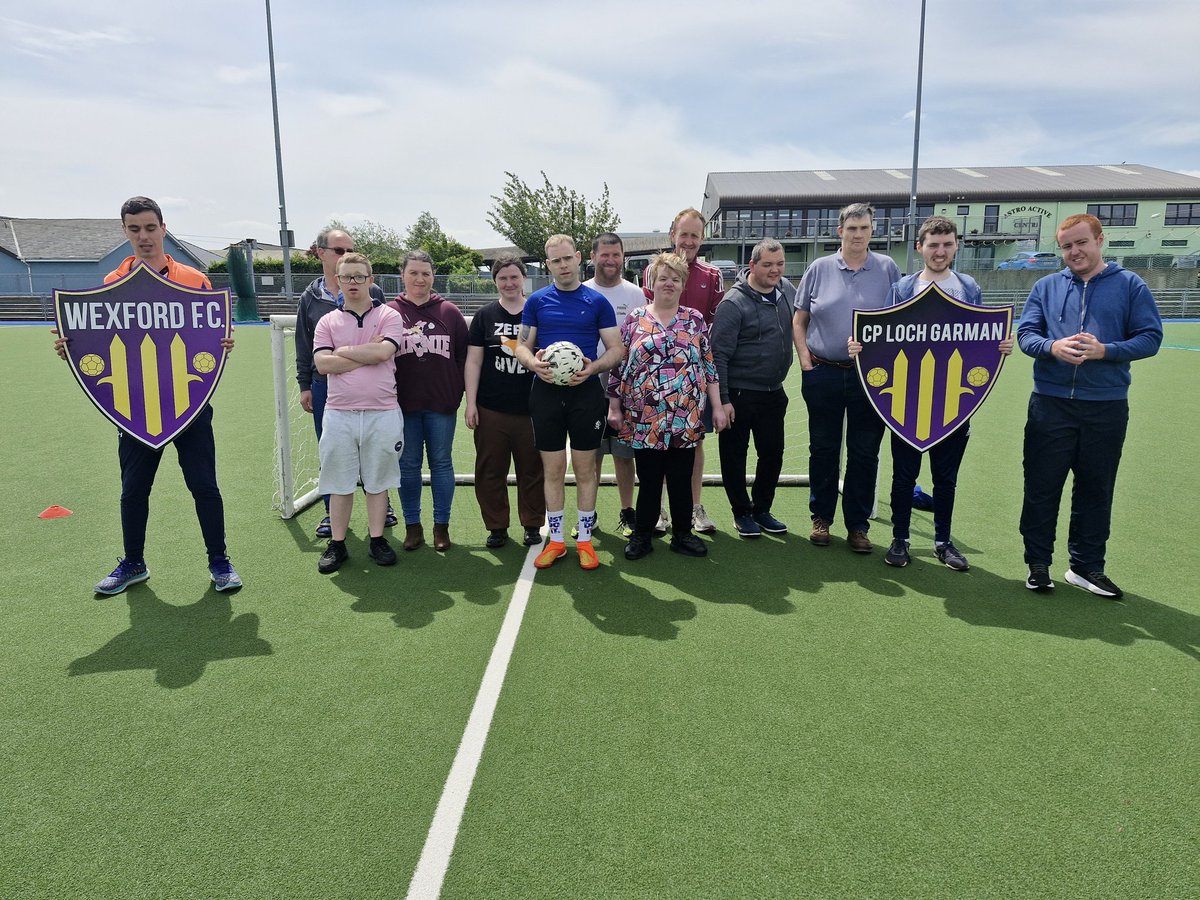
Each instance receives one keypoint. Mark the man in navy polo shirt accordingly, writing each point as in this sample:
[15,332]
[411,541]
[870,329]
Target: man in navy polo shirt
[568,311]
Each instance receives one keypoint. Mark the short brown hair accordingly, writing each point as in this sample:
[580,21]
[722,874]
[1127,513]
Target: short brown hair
[1072,221]
[937,225]
[558,239]
[504,260]
[684,213]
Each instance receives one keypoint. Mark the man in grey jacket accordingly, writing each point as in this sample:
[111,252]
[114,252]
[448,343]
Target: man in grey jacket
[752,348]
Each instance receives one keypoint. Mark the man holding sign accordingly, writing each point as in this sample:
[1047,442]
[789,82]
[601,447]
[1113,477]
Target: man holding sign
[937,242]
[136,404]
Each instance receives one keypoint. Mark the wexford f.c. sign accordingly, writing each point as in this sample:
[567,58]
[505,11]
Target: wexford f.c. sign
[146,351]
[927,364]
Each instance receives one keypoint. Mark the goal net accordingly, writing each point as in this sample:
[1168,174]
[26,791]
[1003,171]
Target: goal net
[297,463]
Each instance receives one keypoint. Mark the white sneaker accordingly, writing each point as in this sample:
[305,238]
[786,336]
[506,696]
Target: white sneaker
[701,523]
[664,524]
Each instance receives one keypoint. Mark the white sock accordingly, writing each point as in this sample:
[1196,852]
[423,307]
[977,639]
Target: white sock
[586,521]
[555,521]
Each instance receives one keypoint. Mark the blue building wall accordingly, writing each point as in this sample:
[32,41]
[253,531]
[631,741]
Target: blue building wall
[72,276]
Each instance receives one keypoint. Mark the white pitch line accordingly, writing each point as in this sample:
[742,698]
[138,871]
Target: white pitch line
[431,868]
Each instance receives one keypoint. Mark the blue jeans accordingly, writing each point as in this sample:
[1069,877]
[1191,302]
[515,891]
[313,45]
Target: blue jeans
[833,396]
[425,430]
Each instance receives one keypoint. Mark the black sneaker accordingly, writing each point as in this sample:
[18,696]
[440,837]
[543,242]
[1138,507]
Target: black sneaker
[325,530]
[769,523]
[333,557]
[533,536]
[1096,582]
[389,519]
[746,526]
[949,555]
[1039,579]
[639,545]
[688,545]
[897,554]
[380,551]
[496,538]
[125,574]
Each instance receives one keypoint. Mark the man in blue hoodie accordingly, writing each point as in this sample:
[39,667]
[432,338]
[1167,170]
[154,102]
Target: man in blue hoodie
[1082,326]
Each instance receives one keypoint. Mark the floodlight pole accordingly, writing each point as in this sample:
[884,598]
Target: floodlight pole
[912,198]
[284,235]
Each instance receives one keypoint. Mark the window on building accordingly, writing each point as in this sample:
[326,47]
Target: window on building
[1182,214]
[1121,243]
[1114,213]
[991,218]
[1174,243]
[964,209]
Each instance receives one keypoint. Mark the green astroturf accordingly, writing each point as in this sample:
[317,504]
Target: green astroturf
[776,720]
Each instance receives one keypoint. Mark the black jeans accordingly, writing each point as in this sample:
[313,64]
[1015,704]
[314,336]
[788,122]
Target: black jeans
[833,396]
[1085,438]
[197,454]
[673,465]
[757,413]
[945,457]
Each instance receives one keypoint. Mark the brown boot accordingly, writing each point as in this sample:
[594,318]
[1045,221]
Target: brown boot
[414,536]
[441,536]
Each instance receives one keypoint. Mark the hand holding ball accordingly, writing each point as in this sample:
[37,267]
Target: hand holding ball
[565,360]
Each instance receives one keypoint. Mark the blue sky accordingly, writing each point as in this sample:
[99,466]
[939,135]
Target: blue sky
[391,108]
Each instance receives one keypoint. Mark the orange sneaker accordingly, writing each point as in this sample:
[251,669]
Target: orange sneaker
[587,555]
[553,552]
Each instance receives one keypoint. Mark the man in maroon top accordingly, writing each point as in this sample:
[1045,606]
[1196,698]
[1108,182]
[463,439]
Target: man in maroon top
[703,292]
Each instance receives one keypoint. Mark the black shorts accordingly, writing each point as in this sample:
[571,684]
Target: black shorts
[558,411]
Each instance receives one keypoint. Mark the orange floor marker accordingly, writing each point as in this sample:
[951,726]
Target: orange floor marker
[55,512]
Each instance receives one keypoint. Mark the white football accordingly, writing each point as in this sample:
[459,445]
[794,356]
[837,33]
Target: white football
[565,360]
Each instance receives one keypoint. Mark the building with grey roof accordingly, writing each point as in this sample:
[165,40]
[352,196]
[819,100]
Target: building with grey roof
[1150,215]
[39,255]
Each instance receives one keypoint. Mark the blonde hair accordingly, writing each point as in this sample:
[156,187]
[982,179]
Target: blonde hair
[356,259]
[672,261]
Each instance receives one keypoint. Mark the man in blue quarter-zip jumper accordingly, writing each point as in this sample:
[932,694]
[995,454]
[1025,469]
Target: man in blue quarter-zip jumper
[1082,326]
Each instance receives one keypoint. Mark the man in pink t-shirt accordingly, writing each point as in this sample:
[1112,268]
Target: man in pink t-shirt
[363,432]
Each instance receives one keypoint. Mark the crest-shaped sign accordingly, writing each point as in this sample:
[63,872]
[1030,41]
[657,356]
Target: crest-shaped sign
[145,350]
[928,363]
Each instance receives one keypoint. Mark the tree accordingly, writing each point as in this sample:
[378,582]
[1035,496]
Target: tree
[527,217]
[379,243]
[449,256]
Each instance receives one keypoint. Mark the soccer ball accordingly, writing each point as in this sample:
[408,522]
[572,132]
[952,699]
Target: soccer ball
[877,377]
[978,376]
[91,365]
[565,360]
[204,362]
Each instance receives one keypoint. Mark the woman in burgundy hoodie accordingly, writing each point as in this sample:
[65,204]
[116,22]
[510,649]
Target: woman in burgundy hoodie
[429,386]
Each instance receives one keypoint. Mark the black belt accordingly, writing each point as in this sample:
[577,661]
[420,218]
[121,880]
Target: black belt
[830,362]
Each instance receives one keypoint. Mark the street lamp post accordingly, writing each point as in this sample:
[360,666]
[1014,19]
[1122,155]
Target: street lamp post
[285,236]
[912,198]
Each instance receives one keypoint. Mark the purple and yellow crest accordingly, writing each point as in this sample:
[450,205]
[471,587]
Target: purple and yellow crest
[928,363]
[145,350]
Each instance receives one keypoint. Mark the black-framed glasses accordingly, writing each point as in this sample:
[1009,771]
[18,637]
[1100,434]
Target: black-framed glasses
[354,279]
[340,251]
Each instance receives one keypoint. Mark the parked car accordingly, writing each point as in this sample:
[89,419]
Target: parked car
[1027,260]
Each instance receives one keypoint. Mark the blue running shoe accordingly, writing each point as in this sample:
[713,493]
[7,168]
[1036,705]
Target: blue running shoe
[125,574]
[223,575]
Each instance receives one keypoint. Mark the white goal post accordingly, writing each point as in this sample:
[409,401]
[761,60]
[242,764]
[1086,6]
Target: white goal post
[297,463]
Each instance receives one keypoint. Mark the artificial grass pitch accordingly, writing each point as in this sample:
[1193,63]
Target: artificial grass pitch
[776,720]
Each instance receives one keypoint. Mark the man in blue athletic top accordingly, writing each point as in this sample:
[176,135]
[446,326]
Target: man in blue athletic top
[568,311]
